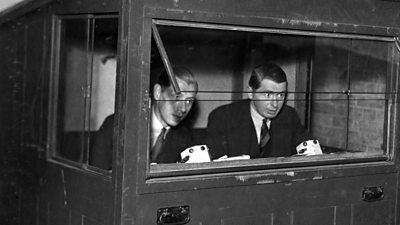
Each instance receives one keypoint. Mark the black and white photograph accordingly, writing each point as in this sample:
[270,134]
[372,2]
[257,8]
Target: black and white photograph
[200,112]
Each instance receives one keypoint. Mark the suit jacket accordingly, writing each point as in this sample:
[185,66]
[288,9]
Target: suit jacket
[177,139]
[231,132]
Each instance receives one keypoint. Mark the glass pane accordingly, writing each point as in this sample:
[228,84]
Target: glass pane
[329,102]
[73,64]
[368,77]
[86,86]
[103,71]
[104,67]
[334,93]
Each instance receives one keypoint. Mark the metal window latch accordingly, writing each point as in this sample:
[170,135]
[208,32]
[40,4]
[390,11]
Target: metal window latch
[176,215]
[371,194]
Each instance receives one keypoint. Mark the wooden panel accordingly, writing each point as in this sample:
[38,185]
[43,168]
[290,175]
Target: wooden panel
[343,215]
[338,16]
[89,221]
[14,171]
[76,218]
[315,216]
[282,218]
[253,220]
[325,201]
[87,197]
[314,14]
[58,214]
[87,6]
[376,213]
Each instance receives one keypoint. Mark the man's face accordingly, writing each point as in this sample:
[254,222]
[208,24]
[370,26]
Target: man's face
[172,108]
[269,98]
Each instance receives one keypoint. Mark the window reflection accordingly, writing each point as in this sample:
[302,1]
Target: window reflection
[72,80]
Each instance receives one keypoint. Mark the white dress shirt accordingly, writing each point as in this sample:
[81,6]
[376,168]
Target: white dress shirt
[156,127]
[258,121]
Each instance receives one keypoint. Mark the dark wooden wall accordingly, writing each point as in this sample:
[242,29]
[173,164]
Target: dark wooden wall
[24,92]
[22,99]
[28,192]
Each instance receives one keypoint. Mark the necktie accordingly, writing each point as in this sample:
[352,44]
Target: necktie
[155,151]
[264,135]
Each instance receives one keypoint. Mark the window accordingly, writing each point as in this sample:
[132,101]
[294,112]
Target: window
[340,85]
[84,68]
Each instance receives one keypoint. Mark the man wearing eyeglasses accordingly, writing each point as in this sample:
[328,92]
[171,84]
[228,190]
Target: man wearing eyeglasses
[261,126]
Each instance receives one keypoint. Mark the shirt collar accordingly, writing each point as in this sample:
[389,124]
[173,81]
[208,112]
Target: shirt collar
[255,115]
[156,124]
[257,121]
[257,118]
[156,127]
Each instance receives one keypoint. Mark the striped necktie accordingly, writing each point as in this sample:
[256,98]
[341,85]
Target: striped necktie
[264,135]
[155,151]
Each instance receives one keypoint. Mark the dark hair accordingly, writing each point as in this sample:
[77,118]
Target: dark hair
[180,72]
[269,71]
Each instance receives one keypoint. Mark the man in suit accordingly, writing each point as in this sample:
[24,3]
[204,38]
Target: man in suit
[261,126]
[169,136]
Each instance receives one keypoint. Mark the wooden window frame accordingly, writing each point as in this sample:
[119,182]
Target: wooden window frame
[169,177]
[53,97]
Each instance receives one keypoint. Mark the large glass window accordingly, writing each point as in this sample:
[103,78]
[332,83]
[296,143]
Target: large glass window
[339,86]
[85,49]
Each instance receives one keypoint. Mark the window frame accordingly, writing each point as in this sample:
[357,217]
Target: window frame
[55,52]
[174,178]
